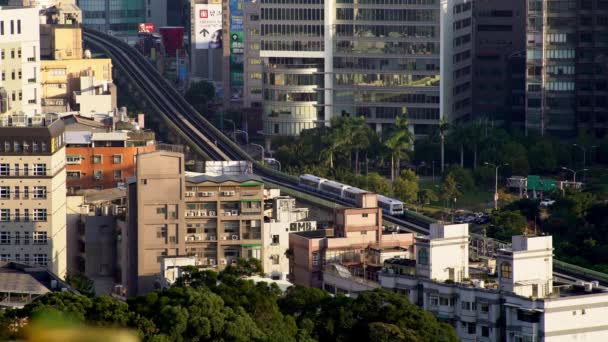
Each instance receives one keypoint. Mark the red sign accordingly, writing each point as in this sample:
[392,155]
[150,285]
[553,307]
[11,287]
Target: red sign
[203,13]
[145,28]
[173,38]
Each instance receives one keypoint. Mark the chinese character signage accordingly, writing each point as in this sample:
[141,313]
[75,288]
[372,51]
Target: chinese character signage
[208,26]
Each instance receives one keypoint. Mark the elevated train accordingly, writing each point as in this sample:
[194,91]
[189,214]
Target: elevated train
[390,206]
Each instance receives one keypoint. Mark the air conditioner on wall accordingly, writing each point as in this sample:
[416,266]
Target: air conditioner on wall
[211,261]
[223,261]
[235,237]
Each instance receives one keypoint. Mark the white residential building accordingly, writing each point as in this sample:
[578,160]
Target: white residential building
[19,64]
[515,299]
[286,219]
[33,195]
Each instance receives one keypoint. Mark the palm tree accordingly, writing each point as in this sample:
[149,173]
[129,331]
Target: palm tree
[476,136]
[399,143]
[459,134]
[444,125]
[361,138]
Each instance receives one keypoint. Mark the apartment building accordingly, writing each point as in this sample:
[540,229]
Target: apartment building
[284,219]
[566,83]
[104,160]
[216,219]
[499,62]
[19,64]
[61,32]
[513,297]
[92,239]
[373,58]
[224,218]
[33,194]
[356,233]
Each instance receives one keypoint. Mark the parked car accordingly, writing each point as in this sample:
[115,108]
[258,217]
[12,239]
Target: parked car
[547,202]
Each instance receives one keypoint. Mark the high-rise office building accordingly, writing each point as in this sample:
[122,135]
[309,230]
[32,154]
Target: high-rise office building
[373,58]
[120,17]
[19,65]
[566,83]
[33,193]
[499,62]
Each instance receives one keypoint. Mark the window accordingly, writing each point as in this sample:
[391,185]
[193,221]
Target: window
[17,216]
[39,214]
[117,174]
[26,169]
[39,238]
[26,215]
[73,159]
[434,300]
[365,215]
[17,238]
[506,271]
[5,192]
[484,307]
[423,256]
[97,159]
[40,192]
[98,174]
[5,169]
[161,232]
[117,159]
[73,175]
[485,331]
[160,256]
[469,306]
[5,257]
[16,192]
[5,238]
[39,169]
[275,239]
[471,328]
[41,259]
[26,238]
[26,192]
[444,301]
[5,215]
[275,259]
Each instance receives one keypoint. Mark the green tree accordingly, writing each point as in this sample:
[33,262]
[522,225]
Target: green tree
[426,196]
[199,94]
[81,283]
[449,189]
[459,136]
[405,187]
[374,182]
[506,223]
[463,177]
[399,143]
[542,157]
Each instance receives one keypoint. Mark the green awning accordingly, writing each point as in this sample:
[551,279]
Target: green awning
[251,183]
[251,245]
[252,200]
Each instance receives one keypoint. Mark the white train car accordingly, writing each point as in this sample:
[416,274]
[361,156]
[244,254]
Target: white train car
[333,188]
[311,182]
[351,194]
[390,206]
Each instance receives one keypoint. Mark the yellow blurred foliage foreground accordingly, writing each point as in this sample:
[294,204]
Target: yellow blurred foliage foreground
[43,333]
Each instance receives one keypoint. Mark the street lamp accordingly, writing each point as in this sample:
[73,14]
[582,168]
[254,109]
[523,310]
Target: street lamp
[584,149]
[573,172]
[246,136]
[496,182]
[262,148]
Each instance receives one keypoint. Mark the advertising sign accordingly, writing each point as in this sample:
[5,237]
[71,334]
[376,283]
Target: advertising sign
[208,26]
[236,48]
[145,28]
[173,38]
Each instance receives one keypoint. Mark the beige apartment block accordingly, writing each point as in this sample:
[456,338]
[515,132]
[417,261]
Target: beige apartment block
[216,219]
[224,218]
[33,195]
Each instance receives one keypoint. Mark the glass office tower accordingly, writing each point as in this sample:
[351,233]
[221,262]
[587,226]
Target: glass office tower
[118,16]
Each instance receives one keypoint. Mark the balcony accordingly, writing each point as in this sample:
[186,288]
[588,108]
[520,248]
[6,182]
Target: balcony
[200,213]
[31,80]
[31,59]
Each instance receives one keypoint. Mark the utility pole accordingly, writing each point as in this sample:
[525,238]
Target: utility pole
[496,167]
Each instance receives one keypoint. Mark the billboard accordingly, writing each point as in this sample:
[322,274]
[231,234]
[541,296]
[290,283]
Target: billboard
[236,48]
[173,38]
[207,26]
[145,28]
